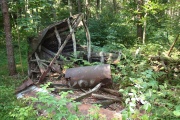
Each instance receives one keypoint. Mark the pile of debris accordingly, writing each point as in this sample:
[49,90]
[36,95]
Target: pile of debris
[51,50]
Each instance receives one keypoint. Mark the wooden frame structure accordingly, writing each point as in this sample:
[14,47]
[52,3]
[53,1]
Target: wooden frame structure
[54,41]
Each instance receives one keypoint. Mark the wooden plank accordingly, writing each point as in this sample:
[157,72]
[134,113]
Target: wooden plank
[73,39]
[88,40]
[58,37]
[40,65]
[113,92]
[84,95]
[104,103]
[48,51]
[105,97]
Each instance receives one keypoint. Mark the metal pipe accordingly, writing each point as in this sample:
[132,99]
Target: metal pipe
[89,76]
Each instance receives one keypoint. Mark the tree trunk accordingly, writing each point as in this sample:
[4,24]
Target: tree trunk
[98,8]
[70,7]
[115,5]
[145,23]
[172,46]
[9,46]
[144,31]
[139,16]
[87,9]
[79,6]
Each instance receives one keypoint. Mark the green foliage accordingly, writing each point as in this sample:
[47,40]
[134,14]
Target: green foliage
[111,29]
[48,105]
[24,113]
[145,96]
[55,108]
[8,99]
[94,113]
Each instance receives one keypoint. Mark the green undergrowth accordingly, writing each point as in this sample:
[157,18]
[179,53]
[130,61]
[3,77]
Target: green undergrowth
[8,84]
[147,94]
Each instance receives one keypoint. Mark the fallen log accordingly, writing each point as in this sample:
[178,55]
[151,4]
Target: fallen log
[113,92]
[60,89]
[103,97]
[84,95]
[166,60]
[104,103]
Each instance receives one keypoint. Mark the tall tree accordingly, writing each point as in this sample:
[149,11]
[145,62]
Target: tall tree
[9,46]
[139,17]
[87,12]
[115,5]
[98,7]
[79,6]
[70,7]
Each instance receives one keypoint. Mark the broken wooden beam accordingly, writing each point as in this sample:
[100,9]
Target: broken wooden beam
[58,37]
[105,97]
[40,64]
[48,51]
[73,38]
[60,89]
[88,41]
[84,95]
[113,92]
[104,103]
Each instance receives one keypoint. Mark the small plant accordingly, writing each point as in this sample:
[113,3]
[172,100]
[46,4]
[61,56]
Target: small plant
[49,107]
[56,109]
[94,113]
[23,113]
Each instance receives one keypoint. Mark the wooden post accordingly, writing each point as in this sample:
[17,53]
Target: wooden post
[41,67]
[58,37]
[88,40]
[172,46]
[73,38]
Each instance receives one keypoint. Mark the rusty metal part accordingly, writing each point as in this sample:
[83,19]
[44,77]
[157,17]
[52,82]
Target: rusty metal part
[89,76]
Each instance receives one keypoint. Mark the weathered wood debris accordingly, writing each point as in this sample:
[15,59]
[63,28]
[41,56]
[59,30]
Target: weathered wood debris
[54,48]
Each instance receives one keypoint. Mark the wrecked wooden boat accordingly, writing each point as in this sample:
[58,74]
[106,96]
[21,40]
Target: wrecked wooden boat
[54,47]
[54,43]
[57,44]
